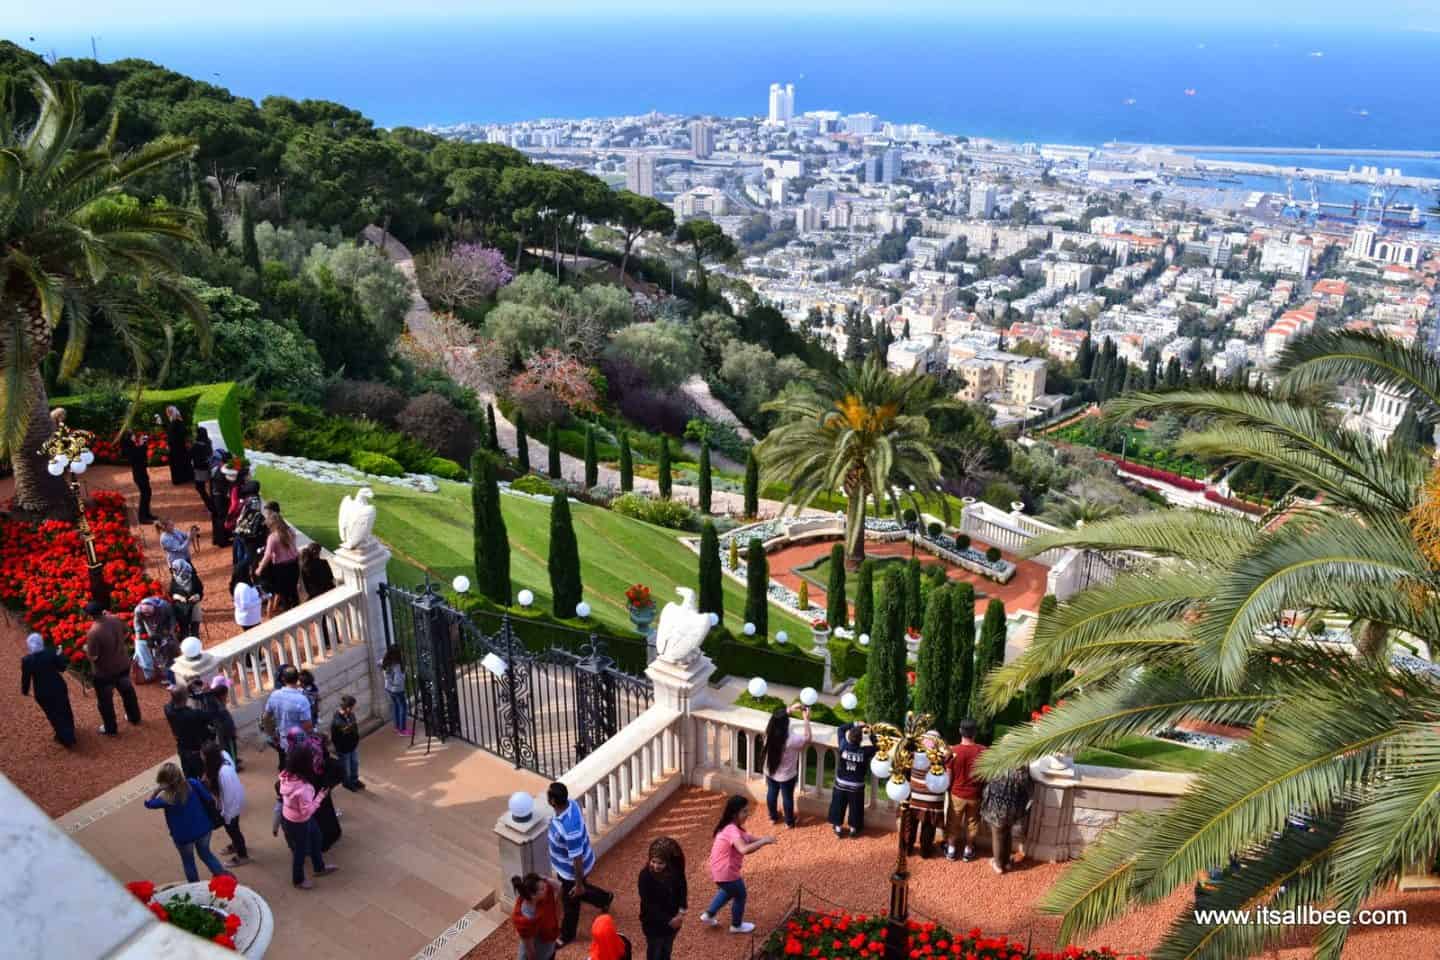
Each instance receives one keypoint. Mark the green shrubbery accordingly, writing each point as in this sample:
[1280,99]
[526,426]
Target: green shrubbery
[533,484]
[376,463]
[663,513]
[303,431]
[733,656]
[102,411]
[445,469]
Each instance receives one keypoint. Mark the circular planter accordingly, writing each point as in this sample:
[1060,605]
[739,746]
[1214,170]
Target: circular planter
[257,924]
[642,617]
[820,638]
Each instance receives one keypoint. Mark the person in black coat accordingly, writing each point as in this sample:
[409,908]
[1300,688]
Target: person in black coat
[44,669]
[664,897]
[178,438]
[200,453]
[135,448]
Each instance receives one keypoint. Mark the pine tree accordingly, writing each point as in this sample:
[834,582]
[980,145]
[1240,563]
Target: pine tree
[522,444]
[757,587]
[552,448]
[989,654]
[663,476]
[214,229]
[249,249]
[932,673]
[712,595]
[914,608]
[627,464]
[905,333]
[1039,693]
[592,464]
[962,642]
[865,598]
[1152,373]
[491,544]
[1172,373]
[1128,383]
[566,590]
[1101,378]
[837,612]
[492,435]
[885,666]
[752,485]
[704,482]
[1085,358]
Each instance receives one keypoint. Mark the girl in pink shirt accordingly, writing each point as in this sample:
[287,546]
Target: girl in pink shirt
[298,802]
[783,748]
[727,856]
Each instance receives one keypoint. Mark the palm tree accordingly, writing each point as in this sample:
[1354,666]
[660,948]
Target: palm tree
[1345,739]
[1072,511]
[74,248]
[863,432]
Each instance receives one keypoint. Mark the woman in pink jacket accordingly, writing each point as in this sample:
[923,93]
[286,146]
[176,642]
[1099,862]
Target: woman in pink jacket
[298,802]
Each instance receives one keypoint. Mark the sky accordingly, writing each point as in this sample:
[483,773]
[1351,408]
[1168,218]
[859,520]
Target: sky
[32,17]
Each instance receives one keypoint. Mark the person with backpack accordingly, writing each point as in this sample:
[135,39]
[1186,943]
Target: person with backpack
[155,643]
[200,453]
[848,794]
[247,522]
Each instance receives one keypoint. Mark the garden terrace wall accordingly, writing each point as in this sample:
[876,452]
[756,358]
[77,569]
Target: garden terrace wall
[1071,807]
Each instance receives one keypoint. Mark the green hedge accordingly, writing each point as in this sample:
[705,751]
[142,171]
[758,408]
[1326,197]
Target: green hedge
[376,463]
[540,633]
[847,659]
[102,413]
[445,469]
[820,713]
[735,657]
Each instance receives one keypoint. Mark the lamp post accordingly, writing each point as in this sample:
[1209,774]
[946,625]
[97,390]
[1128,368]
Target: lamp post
[70,456]
[895,761]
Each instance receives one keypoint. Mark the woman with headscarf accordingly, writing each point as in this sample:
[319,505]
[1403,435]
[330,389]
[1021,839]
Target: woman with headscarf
[606,943]
[324,773]
[200,453]
[44,669]
[186,592]
[181,471]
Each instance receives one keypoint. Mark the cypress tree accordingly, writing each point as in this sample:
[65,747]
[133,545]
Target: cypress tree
[214,226]
[1040,691]
[552,445]
[734,553]
[492,546]
[592,464]
[712,595]
[932,674]
[249,249]
[962,641]
[492,435]
[990,653]
[565,588]
[663,476]
[837,611]
[522,443]
[1085,358]
[885,666]
[704,482]
[627,464]
[914,608]
[865,598]
[752,485]
[757,587]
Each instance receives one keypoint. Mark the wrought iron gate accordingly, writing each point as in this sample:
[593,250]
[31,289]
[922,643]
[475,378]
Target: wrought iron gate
[543,710]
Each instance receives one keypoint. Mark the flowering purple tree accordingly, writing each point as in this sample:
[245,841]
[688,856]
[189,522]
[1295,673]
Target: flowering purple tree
[463,276]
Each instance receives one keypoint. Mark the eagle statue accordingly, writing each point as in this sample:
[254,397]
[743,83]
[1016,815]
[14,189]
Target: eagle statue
[357,519]
[682,629]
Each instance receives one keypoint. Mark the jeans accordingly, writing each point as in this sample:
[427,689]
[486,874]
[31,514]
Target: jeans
[733,891]
[400,707]
[659,945]
[105,688]
[237,839]
[851,802]
[350,765]
[784,790]
[304,840]
[201,846]
[597,897]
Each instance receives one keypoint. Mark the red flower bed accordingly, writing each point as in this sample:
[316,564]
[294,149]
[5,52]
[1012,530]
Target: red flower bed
[43,572]
[212,921]
[1154,473]
[1214,497]
[108,451]
[846,936]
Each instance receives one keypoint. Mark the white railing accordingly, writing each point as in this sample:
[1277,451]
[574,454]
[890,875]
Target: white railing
[317,631]
[1013,530]
[627,772]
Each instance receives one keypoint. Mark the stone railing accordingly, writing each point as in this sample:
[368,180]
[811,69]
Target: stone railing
[630,775]
[1011,530]
[1073,804]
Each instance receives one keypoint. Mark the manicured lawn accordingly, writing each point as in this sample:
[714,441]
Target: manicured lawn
[432,531]
[819,573]
[1142,753]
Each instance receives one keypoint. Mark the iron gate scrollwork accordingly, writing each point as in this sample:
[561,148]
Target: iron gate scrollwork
[542,710]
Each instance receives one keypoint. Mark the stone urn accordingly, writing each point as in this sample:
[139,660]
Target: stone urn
[820,636]
[642,618]
[257,924]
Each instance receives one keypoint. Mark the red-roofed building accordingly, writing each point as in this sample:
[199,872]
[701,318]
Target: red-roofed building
[1331,293]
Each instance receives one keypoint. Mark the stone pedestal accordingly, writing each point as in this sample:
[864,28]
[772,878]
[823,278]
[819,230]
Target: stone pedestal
[364,566]
[523,848]
[201,668]
[681,686]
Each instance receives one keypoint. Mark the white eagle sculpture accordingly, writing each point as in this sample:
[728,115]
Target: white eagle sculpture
[681,630]
[357,519]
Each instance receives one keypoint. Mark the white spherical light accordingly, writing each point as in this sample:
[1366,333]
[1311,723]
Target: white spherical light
[808,696]
[461,583]
[582,609]
[714,618]
[55,467]
[77,467]
[937,782]
[86,457]
[782,637]
[757,687]
[749,629]
[899,792]
[922,762]
[526,598]
[881,768]
[63,460]
[849,701]
[522,806]
[864,639]
[190,647]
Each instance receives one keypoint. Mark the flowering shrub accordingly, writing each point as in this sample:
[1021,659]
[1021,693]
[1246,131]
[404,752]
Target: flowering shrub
[1155,473]
[108,451]
[846,936]
[820,624]
[212,920]
[638,597]
[1252,508]
[43,571]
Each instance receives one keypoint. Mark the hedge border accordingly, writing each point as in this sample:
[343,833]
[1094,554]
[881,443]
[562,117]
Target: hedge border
[210,401]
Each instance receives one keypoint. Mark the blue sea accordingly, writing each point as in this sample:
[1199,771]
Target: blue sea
[1076,82]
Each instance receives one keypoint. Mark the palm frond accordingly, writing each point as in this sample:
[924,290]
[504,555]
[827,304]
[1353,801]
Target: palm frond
[1337,355]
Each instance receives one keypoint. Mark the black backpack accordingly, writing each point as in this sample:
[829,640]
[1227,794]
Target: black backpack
[251,522]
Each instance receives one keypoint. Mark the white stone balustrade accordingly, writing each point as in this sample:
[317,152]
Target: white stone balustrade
[629,776]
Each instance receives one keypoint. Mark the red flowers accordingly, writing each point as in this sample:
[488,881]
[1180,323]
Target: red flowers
[811,934]
[202,919]
[224,886]
[638,597]
[232,923]
[225,940]
[820,624]
[160,912]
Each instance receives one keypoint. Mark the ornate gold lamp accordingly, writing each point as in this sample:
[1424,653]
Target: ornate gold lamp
[70,456]
[900,755]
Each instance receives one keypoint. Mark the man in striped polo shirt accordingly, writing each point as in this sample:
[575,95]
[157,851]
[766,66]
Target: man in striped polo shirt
[572,859]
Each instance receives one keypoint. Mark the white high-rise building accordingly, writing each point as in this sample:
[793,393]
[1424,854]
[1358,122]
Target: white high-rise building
[782,104]
[889,166]
[982,201]
[640,174]
[862,123]
[702,139]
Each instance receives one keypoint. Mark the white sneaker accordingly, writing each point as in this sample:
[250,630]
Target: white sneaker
[708,920]
[745,927]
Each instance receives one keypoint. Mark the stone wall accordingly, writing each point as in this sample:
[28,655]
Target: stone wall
[1073,805]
